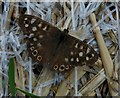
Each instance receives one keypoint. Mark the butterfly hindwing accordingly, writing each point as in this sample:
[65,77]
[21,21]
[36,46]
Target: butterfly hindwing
[73,52]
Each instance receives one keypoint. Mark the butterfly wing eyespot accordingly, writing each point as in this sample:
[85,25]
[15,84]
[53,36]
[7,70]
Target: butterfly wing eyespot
[34,53]
[62,68]
[55,67]
[32,48]
[39,58]
[67,67]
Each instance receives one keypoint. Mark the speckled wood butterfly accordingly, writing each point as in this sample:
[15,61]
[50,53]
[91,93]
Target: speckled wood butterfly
[47,45]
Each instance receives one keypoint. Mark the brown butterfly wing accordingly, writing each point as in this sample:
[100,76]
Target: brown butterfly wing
[73,52]
[43,38]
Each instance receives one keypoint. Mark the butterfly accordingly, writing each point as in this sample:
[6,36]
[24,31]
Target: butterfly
[50,46]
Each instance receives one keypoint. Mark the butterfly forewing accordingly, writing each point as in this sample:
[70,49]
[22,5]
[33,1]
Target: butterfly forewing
[46,44]
[42,37]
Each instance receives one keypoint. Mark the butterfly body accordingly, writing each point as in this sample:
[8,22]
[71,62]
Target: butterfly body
[48,45]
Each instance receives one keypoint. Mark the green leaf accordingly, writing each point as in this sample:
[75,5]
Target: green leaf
[28,94]
[11,75]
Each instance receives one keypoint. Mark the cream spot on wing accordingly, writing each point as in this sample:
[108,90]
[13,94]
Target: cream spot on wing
[80,54]
[72,59]
[40,36]
[93,55]
[87,58]
[34,28]
[70,65]
[39,45]
[33,20]
[66,59]
[45,28]
[31,35]
[25,18]
[77,59]
[34,39]
[81,47]
[26,25]
[88,50]
[76,46]
[67,67]
[71,53]
[40,25]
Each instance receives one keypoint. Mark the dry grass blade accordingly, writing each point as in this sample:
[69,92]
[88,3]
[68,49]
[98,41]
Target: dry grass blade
[105,56]
[95,82]
[64,88]
[43,77]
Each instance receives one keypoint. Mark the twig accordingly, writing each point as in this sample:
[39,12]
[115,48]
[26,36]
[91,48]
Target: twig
[105,56]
